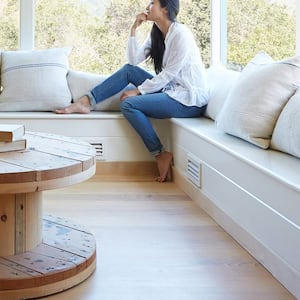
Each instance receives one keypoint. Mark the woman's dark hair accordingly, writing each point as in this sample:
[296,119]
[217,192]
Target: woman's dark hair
[158,44]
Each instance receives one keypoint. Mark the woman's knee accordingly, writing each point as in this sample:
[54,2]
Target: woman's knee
[129,67]
[125,105]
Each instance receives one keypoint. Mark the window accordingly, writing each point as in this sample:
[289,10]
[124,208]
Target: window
[196,15]
[268,25]
[98,33]
[9,24]
[98,30]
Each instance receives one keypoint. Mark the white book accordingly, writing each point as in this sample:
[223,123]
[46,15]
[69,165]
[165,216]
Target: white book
[11,132]
[13,146]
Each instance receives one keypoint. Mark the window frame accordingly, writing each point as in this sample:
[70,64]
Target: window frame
[297,27]
[218,29]
[26,34]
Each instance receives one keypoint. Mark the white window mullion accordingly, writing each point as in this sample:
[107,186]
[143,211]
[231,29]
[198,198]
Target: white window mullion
[26,39]
[298,27]
[218,32]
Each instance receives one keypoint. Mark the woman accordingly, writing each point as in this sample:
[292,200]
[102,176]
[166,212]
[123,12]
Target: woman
[179,88]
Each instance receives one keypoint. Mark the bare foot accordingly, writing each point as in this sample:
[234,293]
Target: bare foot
[82,106]
[164,161]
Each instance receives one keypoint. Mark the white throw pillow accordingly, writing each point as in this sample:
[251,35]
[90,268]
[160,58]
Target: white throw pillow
[34,80]
[220,81]
[255,102]
[286,134]
[80,83]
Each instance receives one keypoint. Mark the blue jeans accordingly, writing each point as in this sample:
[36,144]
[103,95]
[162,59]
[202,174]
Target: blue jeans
[138,109]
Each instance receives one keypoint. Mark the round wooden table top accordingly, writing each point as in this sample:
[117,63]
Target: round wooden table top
[49,161]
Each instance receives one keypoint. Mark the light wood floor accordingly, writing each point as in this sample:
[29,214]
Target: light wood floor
[154,243]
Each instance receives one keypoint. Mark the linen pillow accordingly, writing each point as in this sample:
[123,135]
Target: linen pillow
[80,83]
[220,81]
[34,80]
[255,102]
[286,134]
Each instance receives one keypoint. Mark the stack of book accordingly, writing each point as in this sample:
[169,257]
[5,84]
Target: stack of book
[12,137]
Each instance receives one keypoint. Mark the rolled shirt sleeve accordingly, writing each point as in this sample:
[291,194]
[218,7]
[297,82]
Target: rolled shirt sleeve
[136,54]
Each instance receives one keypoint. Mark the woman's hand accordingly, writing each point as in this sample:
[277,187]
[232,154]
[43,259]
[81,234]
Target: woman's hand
[139,19]
[129,93]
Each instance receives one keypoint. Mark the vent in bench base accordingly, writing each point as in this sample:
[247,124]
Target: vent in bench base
[99,149]
[194,170]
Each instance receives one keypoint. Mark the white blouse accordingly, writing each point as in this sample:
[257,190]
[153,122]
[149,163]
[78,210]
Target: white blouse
[183,76]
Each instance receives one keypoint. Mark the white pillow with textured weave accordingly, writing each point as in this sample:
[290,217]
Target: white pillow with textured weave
[34,80]
[220,81]
[257,99]
[286,134]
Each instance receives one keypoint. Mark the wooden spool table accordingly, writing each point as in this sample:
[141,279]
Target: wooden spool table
[42,255]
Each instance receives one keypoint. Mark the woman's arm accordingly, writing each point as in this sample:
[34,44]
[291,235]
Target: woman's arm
[136,54]
[139,19]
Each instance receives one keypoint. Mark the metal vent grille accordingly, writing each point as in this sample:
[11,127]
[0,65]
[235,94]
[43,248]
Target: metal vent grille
[99,150]
[194,170]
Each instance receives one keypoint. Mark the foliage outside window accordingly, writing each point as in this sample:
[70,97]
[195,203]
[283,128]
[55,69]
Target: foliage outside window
[99,37]
[9,24]
[98,31]
[260,25]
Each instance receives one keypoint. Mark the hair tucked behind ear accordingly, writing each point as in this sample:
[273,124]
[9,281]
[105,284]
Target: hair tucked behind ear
[158,44]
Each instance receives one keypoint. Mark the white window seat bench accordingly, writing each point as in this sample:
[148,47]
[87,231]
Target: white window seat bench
[253,194]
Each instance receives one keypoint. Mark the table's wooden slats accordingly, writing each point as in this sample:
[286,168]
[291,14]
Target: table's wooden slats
[68,239]
[40,263]
[47,250]
[47,264]
[11,173]
[68,139]
[47,166]
[7,223]
[69,149]
[14,271]
[65,222]
[47,157]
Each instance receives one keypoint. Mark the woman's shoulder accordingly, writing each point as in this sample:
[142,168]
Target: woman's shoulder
[181,28]
[182,31]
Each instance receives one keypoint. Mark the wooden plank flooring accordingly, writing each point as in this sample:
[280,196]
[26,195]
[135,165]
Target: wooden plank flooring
[154,243]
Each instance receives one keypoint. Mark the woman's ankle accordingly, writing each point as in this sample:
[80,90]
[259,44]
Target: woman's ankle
[164,162]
